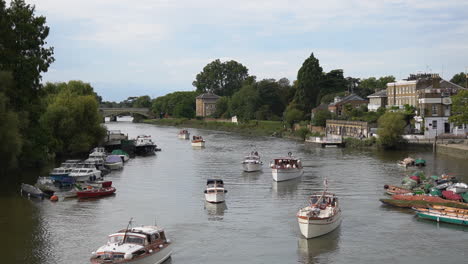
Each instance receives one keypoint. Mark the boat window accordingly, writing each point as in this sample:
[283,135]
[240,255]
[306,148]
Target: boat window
[314,200]
[115,239]
[154,237]
[134,240]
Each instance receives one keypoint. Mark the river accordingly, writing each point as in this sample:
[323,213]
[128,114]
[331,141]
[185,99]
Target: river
[257,224]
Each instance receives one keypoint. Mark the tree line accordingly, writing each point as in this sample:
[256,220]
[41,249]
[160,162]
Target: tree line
[37,121]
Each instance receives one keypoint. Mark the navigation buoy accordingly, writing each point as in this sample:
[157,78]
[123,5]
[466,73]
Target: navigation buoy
[54,198]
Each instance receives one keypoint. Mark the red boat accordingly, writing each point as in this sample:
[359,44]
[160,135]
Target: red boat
[95,192]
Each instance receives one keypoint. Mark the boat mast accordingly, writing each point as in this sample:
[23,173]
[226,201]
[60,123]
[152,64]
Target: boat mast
[126,230]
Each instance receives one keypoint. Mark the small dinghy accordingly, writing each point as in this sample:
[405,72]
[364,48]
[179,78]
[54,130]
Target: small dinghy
[96,191]
[31,191]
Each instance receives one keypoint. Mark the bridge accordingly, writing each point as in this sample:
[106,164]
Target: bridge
[113,113]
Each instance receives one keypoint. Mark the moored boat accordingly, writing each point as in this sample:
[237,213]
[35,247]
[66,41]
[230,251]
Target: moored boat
[145,244]
[114,162]
[144,145]
[62,176]
[322,216]
[85,174]
[406,162]
[98,152]
[95,192]
[286,168]
[443,216]
[420,162]
[184,134]
[123,155]
[198,141]
[252,162]
[391,190]
[214,192]
[31,191]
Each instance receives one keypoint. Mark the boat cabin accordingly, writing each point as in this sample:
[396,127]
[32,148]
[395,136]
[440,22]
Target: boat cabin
[197,138]
[144,140]
[60,171]
[214,183]
[287,163]
[323,200]
[182,132]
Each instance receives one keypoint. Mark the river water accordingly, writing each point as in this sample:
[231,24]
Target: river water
[257,224]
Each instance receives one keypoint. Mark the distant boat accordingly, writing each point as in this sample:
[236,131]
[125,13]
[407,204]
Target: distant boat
[85,174]
[114,162]
[322,216]
[286,168]
[123,155]
[62,176]
[95,192]
[197,141]
[144,145]
[98,152]
[145,244]
[184,134]
[214,192]
[252,162]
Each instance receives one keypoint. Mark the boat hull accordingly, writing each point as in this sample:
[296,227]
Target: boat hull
[184,136]
[217,197]
[115,165]
[155,258]
[286,174]
[145,150]
[96,193]
[63,179]
[315,228]
[445,219]
[251,167]
[198,144]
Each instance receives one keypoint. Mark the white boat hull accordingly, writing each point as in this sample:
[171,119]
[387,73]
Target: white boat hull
[115,166]
[316,228]
[156,258]
[217,197]
[184,136]
[250,167]
[198,144]
[286,174]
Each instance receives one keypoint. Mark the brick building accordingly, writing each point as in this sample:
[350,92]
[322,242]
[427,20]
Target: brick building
[206,104]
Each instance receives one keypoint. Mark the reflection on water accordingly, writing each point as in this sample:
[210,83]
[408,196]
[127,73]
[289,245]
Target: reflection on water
[215,211]
[312,250]
[286,188]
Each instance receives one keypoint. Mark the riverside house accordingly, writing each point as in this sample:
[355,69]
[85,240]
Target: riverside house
[206,104]
[354,100]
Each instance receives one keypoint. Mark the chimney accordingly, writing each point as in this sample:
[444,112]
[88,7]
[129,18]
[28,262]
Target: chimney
[435,81]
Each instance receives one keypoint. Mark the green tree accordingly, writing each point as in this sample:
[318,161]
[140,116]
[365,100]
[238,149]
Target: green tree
[142,102]
[460,79]
[221,78]
[320,118]
[244,103]
[391,127]
[333,82]
[371,85]
[460,108]
[169,104]
[293,115]
[309,79]
[223,107]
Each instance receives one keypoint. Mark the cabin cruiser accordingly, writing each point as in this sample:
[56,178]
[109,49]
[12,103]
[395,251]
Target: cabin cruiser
[252,162]
[98,153]
[287,168]
[214,192]
[114,162]
[197,141]
[322,216]
[184,134]
[70,163]
[85,174]
[61,176]
[144,145]
[145,244]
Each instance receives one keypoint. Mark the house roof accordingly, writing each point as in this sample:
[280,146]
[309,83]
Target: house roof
[351,97]
[207,96]
[446,84]
[320,107]
[381,93]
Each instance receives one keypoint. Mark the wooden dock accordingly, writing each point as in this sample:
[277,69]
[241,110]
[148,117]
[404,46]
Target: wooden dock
[327,141]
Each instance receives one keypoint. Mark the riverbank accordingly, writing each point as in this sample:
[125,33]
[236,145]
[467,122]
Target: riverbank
[453,150]
[258,128]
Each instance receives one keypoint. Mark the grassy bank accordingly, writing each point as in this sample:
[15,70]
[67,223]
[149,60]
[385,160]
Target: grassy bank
[260,128]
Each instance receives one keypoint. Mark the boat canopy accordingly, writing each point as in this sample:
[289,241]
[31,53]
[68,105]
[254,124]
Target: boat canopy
[214,181]
[113,159]
[119,152]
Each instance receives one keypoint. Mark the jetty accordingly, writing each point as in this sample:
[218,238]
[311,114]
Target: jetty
[329,140]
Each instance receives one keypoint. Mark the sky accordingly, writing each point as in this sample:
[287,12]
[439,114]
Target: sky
[153,47]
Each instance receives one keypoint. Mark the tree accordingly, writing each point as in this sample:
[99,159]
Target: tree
[245,102]
[293,115]
[460,108]
[391,127]
[177,104]
[320,117]
[309,79]
[223,108]
[371,85]
[221,78]
[460,79]
[333,82]
[142,102]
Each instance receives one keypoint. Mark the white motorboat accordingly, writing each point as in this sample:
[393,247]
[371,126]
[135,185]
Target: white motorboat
[198,141]
[98,153]
[144,145]
[85,174]
[184,134]
[287,168]
[322,216]
[123,155]
[114,162]
[137,245]
[214,192]
[252,162]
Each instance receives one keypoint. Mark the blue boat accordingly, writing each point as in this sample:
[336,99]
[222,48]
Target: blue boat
[62,176]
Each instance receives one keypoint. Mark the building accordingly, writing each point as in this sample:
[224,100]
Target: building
[377,100]
[314,111]
[206,104]
[435,108]
[354,100]
[357,129]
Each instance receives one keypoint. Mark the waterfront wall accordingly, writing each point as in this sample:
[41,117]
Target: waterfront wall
[453,150]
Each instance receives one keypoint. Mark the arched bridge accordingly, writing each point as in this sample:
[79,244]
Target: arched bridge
[114,112]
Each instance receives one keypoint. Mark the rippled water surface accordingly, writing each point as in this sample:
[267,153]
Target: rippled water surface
[257,223]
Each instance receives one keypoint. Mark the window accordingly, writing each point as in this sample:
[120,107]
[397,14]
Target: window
[434,124]
[434,110]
